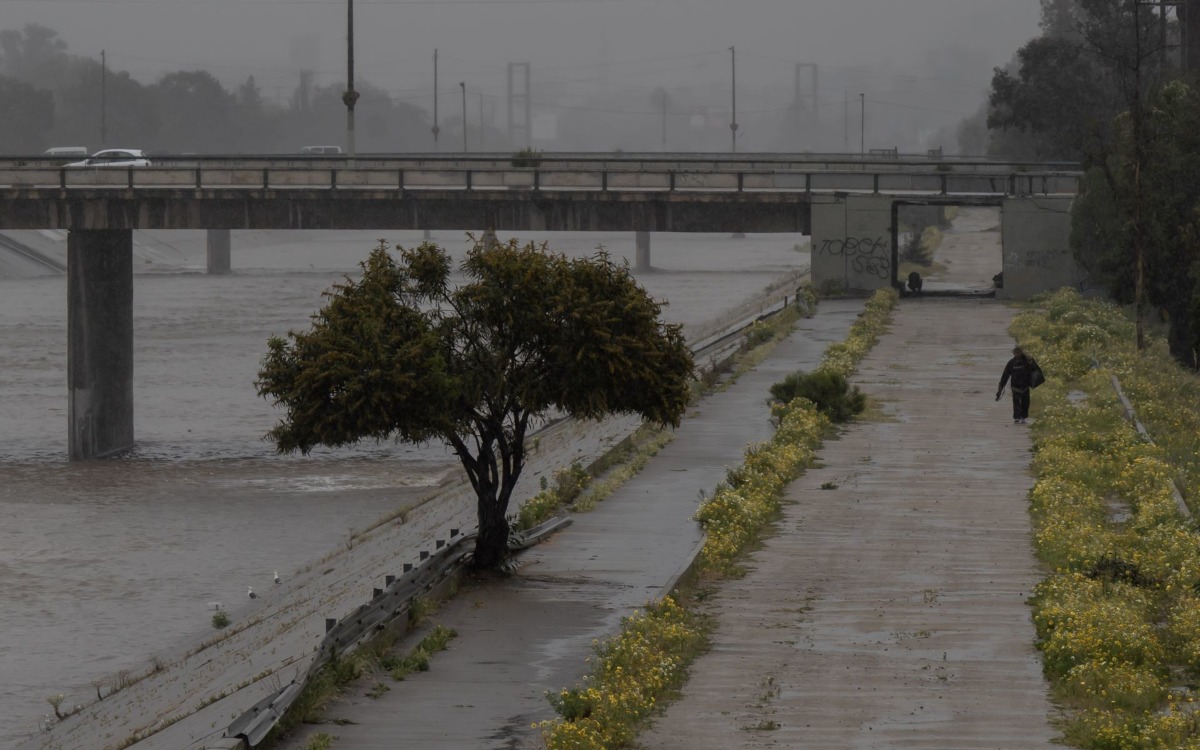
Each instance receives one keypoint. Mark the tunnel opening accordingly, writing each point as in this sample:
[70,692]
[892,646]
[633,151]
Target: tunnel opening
[947,249]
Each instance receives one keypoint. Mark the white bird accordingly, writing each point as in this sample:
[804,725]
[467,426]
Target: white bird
[250,592]
[277,577]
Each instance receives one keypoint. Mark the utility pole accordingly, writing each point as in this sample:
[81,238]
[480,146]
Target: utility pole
[436,129]
[664,121]
[481,146]
[733,124]
[103,99]
[846,122]
[463,85]
[1138,159]
[350,96]
[862,127]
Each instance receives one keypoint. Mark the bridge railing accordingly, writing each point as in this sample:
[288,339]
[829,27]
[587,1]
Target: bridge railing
[325,177]
[591,161]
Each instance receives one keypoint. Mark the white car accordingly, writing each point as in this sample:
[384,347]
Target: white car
[114,157]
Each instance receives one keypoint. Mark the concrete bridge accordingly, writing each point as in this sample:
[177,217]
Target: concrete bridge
[847,205]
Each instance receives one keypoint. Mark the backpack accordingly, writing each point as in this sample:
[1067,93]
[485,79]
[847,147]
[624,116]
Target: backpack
[1036,376]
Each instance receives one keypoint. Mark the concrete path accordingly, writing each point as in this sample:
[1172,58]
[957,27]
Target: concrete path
[532,633]
[889,610]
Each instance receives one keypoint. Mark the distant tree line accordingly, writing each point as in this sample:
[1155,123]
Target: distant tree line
[1103,85]
[49,97]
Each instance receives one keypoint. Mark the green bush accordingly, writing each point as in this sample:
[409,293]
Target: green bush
[829,390]
[527,157]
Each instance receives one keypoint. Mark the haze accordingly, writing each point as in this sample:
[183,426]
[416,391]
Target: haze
[627,48]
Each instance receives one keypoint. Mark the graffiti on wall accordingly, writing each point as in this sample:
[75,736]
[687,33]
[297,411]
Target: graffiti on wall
[1044,259]
[870,256]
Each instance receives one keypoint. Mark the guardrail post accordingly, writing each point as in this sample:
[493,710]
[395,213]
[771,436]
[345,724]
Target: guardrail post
[333,179]
[672,173]
[808,182]
[537,179]
[266,181]
[741,182]
[130,174]
[468,179]
[942,179]
[604,180]
[875,182]
[62,178]
[400,180]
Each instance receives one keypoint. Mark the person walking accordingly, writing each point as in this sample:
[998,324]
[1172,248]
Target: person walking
[1020,369]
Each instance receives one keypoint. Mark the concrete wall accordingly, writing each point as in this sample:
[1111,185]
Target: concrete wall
[1036,236]
[852,241]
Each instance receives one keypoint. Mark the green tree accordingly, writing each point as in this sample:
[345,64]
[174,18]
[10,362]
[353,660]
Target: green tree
[1166,206]
[1094,59]
[402,353]
[26,114]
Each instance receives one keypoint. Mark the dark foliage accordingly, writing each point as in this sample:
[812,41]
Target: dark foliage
[830,391]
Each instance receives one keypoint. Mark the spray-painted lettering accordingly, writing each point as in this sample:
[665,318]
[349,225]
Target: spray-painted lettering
[868,255]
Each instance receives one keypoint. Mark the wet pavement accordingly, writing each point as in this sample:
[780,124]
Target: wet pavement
[531,633]
[889,608]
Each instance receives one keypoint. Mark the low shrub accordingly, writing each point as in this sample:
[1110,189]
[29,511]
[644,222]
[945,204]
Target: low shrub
[527,157]
[829,391]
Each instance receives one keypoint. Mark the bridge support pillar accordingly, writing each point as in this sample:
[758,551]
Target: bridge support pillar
[99,342]
[642,243]
[219,251]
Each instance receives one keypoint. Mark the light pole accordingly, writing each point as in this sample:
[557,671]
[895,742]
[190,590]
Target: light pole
[862,125]
[463,85]
[103,99]
[733,125]
[350,96]
[436,129]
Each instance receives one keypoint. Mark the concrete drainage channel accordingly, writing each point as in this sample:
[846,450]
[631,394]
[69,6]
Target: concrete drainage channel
[434,577]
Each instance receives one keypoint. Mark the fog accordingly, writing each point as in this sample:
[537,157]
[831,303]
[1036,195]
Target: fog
[921,65]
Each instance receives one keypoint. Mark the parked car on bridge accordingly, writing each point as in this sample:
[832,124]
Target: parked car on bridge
[321,150]
[114,157]
[67,152]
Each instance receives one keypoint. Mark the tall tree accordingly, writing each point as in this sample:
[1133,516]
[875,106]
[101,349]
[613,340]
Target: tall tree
[1094,59]
[402,353]
[26,115]
[1162,201]
[196,112]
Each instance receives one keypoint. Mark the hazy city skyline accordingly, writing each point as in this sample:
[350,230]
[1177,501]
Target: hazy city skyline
[623,44]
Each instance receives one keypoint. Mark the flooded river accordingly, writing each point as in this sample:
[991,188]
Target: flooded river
[103,564]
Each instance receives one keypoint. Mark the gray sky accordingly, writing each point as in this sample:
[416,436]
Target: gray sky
[632,43]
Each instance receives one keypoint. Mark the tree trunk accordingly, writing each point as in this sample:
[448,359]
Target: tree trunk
[1181,338]
[491,546]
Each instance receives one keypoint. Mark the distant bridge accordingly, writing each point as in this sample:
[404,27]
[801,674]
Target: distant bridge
[846,203]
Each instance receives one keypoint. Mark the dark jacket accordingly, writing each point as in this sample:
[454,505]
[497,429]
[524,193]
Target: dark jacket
[1020,369]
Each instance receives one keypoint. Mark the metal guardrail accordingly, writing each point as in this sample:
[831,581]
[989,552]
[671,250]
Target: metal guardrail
[323,177]
[593,160]
[388,605]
